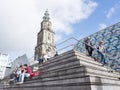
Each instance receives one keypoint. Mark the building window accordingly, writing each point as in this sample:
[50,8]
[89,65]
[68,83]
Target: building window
[48,37]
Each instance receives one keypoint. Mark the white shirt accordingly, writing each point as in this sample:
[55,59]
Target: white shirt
[101,48]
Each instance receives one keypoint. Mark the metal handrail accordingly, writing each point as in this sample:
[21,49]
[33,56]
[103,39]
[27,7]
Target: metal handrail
[107,56]
[67,40]
[66,47]
[73,44]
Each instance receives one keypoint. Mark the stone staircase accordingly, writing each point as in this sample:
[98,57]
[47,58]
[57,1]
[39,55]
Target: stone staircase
[1,86]
[71,70]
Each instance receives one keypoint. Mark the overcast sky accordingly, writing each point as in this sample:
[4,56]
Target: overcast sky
[20,21]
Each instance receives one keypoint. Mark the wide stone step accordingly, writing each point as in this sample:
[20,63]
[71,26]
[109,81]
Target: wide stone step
[57,87]
[84,60]
[63,71]
[91,67]
[61,56]
[1,86]
[65,63]
[64,57]
[71,71]
[74,82]
[76,71]
[60,59]
[69,61]
[105,80]
[90,70]
[60,82]
[92,63]
[62,74]
[100,73]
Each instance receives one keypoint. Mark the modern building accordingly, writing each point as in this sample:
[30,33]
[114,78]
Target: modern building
[32,61]
[3,64]
[16,63]
[45,37]
[111,41]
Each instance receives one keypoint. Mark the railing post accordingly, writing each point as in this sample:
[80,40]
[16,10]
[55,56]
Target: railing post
[73,46]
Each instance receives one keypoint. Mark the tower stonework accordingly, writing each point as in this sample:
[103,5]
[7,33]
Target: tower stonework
[45,37]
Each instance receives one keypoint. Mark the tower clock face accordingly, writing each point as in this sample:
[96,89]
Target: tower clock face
[45,25]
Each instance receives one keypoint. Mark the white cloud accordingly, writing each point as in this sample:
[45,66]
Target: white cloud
[57,37]
[110,12]
[113,10]
[102,26]
[66,13]
[20,21]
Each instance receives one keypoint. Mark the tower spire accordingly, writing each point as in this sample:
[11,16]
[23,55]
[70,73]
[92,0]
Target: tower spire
[46,16]
[45,39]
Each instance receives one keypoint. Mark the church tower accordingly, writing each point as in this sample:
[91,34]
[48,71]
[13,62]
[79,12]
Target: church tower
[45,38]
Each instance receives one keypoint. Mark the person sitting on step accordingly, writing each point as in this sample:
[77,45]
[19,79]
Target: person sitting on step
[47,55]
[25,72]
[41,59]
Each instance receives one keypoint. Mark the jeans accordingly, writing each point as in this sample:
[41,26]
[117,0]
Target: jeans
[40,60]
[90,50]
[22,76]
[103,57]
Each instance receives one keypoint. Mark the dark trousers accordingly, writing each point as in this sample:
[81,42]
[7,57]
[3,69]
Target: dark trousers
[89,49]
[40,60]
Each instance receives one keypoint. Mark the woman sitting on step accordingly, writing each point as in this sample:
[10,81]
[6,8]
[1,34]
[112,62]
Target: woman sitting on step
[25,72]
[47,55]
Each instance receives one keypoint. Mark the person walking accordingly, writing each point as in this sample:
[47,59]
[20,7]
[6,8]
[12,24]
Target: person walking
[88,46]
[101,51]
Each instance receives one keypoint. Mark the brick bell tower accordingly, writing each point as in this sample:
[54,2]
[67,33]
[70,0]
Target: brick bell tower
[45,37]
